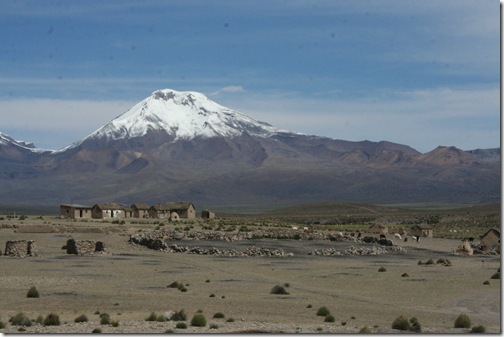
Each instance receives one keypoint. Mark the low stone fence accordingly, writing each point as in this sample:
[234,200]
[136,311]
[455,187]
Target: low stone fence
[374,250]
[84,247]
[21,248]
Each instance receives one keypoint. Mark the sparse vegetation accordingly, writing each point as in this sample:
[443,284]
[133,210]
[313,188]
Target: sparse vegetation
[198,320]
[20,319]
[51,319]
[96,330]
[365,329]
[33,293]
[218,315]
[462,321]
[496,276]
[279,290]
[104,319]
[478,329]
[152,317]
[81,319]
[382,269]
[323,311]
[214,326]
[179,316]
[405,275]
[181,325]
[401,323]
[329,318]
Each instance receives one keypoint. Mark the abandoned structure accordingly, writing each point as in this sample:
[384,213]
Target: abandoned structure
[422,230]
[75,211]
[21,248]
[105,211]
[490,240]
[84,247]
[173,211]
[206,214]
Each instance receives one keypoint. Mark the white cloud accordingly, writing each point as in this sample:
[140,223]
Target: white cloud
[228,89]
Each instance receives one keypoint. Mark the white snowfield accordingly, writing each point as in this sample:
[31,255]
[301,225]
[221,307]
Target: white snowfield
[183,115]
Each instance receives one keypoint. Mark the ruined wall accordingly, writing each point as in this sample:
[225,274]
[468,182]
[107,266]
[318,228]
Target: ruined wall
[84,247]
[21,248]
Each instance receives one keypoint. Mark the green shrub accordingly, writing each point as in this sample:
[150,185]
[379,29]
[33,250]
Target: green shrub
[323,311]
[486,282]
[181,325]
[81,319]
[152,317]
[382,269]
[33,293]
[212,295]
[198,320]
[230,320]
[329,318]
[161,318]
[478,329]
[115,324]
[496,276]
[2,325]
[462,321]
[179,316]
[309,306]
[415,325]
[104,319]
[21,320]
[51,319]
[96,330]
[214,326]
[218,315]
[430,261]
[40,320]
[405,275]
[365,329]
[279,290]
[401,323]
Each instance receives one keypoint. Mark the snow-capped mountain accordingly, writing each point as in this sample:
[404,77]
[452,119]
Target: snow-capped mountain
[182,145]
[183,116]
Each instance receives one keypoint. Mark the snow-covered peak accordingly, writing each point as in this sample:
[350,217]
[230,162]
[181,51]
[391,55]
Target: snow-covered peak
[7,140]
[183,115]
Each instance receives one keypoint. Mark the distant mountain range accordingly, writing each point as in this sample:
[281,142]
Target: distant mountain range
[183,146]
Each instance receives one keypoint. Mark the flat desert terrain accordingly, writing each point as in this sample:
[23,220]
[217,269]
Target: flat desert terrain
[130,281]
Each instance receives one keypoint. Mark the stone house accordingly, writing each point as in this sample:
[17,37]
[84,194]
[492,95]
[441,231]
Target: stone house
[206,214]
[173,211]
[378,229]
[75,211]
[491,239]
[107,211]
[140,211]
[422,230]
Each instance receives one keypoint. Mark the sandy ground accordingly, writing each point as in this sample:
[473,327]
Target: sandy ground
[131,282]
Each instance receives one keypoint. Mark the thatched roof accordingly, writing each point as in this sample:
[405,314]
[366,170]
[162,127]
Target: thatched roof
[422,226]
[490,231]
[76,206]
[112,206]
[140,206]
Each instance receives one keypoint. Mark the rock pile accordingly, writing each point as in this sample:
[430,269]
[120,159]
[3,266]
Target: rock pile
[250,251]
[21,248]
[84,247]
[374,250]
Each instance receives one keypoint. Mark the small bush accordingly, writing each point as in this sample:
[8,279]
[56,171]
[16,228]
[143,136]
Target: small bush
[462,321]
[40,320]
[104,319]
[33,293]
[415,325]
[420,263]
[21,320]
[329,318]
[181,325]
[430,261]
[230,320]
[198,320]
[2,325]
[212,295]
[96,330]
[486,282]
[218,315]
[152,317]
[173,285]
[405,275]
[214,326]
[323,311]
[179,316]
[382,269]
[309,306]
[401,323]
[496,276]
[51,319]
[365,329]
[161,318]
[478,329]
[115,324]
[81,319]
[279,290]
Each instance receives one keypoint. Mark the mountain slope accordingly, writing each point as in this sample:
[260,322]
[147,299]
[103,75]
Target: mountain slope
[183,146]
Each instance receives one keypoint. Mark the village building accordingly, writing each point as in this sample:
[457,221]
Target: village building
[422,230]
[378,229]
[107,211]
[206,214]
[490,240]
[140,211]
[75,211]
[173,211]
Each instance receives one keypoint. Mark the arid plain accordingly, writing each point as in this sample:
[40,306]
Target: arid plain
[130,282]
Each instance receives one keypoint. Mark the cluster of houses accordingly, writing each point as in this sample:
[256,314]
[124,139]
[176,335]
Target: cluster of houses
[171,211]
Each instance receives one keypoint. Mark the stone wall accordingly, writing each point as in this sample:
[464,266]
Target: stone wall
[21,248]
[84,247]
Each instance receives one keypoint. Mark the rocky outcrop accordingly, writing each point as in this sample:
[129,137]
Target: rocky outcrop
[21,248]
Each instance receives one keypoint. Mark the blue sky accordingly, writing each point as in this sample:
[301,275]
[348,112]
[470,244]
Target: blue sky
[420,73]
